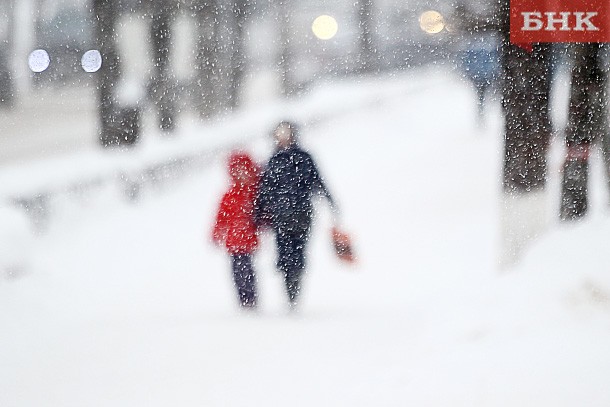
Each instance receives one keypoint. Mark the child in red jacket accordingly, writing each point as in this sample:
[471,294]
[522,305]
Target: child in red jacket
[235,227]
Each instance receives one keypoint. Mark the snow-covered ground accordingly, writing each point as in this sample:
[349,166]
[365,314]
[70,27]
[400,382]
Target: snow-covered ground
[128,304]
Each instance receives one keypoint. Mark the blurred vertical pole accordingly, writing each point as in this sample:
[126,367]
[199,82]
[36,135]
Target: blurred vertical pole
[225,42]
[105,14]
[238,51]
[7,90]
[23,31]
[163,86]
[285,54]
[206,13]
[365,25]
[586,122]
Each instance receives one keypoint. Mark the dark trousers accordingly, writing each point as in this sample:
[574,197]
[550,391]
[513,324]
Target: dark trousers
[244,278]
[291,259]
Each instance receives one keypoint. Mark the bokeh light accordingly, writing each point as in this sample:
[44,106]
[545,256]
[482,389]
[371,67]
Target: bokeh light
[431,22]
[91,61]
[39,60]
[325,27]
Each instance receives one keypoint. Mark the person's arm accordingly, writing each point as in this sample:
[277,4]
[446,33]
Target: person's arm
[319,186]
[221,225]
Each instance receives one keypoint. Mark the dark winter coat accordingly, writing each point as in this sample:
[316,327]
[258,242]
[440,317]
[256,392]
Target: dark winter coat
[287,187]
[235,226]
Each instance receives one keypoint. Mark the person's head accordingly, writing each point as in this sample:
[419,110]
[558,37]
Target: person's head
[285,134]
[242,168]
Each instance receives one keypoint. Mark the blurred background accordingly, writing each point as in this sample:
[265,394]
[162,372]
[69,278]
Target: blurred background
[179,59]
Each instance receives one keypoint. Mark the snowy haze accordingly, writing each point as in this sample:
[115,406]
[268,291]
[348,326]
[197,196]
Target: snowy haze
[126,303]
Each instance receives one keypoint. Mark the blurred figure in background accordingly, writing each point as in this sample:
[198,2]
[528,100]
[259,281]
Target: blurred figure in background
[235,227]
[288,184]
[479,61]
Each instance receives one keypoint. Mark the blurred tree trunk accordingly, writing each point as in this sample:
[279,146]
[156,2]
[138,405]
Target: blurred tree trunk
[238,50]
[527,127]
[206,13]
[7,52]
[105,13]
[163,86]
[221,54]
[586,123]
[285,54]
[365,23]
[224,53]
[526,86]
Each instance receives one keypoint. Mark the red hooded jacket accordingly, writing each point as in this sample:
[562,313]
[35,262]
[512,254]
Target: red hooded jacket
[235,225]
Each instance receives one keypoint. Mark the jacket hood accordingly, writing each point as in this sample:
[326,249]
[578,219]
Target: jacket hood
[239,160]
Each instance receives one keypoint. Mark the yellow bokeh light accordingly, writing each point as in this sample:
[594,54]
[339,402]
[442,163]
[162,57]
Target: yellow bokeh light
[431,22]
[325,27]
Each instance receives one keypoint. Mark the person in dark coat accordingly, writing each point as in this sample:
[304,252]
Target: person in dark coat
[288,184]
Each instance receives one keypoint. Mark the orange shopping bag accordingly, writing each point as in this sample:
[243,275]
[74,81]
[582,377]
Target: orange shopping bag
[343,245]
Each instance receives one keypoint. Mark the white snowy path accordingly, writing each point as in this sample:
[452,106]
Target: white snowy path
[131,305]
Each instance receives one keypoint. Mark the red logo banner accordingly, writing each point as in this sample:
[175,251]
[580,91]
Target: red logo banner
[559,21]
